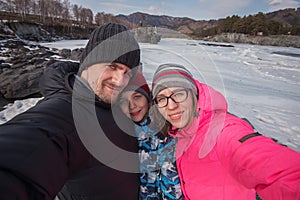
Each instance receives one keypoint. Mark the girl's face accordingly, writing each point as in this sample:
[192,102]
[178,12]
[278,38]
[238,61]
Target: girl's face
[134,105]
[176,106]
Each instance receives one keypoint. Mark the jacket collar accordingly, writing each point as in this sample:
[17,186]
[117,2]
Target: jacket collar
[208,121]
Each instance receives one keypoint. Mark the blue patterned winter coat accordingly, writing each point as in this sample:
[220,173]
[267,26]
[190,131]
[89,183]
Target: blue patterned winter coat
[159,177]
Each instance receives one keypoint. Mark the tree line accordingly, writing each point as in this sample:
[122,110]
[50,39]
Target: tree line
[253,25]
[54,12]
[63,13]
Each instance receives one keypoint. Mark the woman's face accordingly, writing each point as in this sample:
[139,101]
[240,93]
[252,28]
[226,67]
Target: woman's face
[178,114]
[134,105]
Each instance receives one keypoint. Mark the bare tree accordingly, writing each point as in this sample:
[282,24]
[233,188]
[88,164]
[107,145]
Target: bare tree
[19,7]
[99,18]
[67,16]
[90,16]
[42,4]
[27,6]
[76,12]
[54,9]
[86,17]
[35,8]
[10,5]
[22,7]
[66,10]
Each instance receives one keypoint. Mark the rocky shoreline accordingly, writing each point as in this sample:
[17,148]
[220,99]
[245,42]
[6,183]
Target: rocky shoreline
[275,40]
[22,63]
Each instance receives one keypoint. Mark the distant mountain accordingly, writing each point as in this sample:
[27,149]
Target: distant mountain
[163,21]
[183,24]
[288,17]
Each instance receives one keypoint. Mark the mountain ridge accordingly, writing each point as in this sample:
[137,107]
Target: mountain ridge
[287,17]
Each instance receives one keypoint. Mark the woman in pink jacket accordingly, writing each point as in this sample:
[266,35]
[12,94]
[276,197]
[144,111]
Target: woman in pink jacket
[220,156]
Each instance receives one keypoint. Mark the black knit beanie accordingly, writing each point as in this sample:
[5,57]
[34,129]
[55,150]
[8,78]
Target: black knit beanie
[109,43]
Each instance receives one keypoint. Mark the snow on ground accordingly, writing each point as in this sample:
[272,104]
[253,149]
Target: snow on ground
[261,83]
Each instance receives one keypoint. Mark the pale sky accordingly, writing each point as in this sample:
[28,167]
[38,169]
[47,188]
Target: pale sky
[195,9]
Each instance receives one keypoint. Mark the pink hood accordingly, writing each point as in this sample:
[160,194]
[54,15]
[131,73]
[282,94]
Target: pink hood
[211,105]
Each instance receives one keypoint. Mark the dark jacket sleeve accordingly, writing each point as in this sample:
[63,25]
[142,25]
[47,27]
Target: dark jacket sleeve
[39,149]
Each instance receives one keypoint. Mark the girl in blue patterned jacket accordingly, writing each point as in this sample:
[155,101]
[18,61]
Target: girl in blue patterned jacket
[159,177]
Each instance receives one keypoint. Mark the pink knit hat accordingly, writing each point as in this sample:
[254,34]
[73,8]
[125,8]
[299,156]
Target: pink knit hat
[139,84]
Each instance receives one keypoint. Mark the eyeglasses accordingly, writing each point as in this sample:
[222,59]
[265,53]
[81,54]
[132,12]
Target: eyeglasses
[178,96]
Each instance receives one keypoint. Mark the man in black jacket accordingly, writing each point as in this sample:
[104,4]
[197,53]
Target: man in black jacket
[73,142]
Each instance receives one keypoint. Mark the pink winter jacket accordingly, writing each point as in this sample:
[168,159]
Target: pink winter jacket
[214,164]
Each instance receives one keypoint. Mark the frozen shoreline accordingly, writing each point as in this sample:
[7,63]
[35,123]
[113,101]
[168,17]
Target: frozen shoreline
[258,84]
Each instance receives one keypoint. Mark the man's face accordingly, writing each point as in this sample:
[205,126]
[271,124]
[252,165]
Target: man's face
[107,80]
